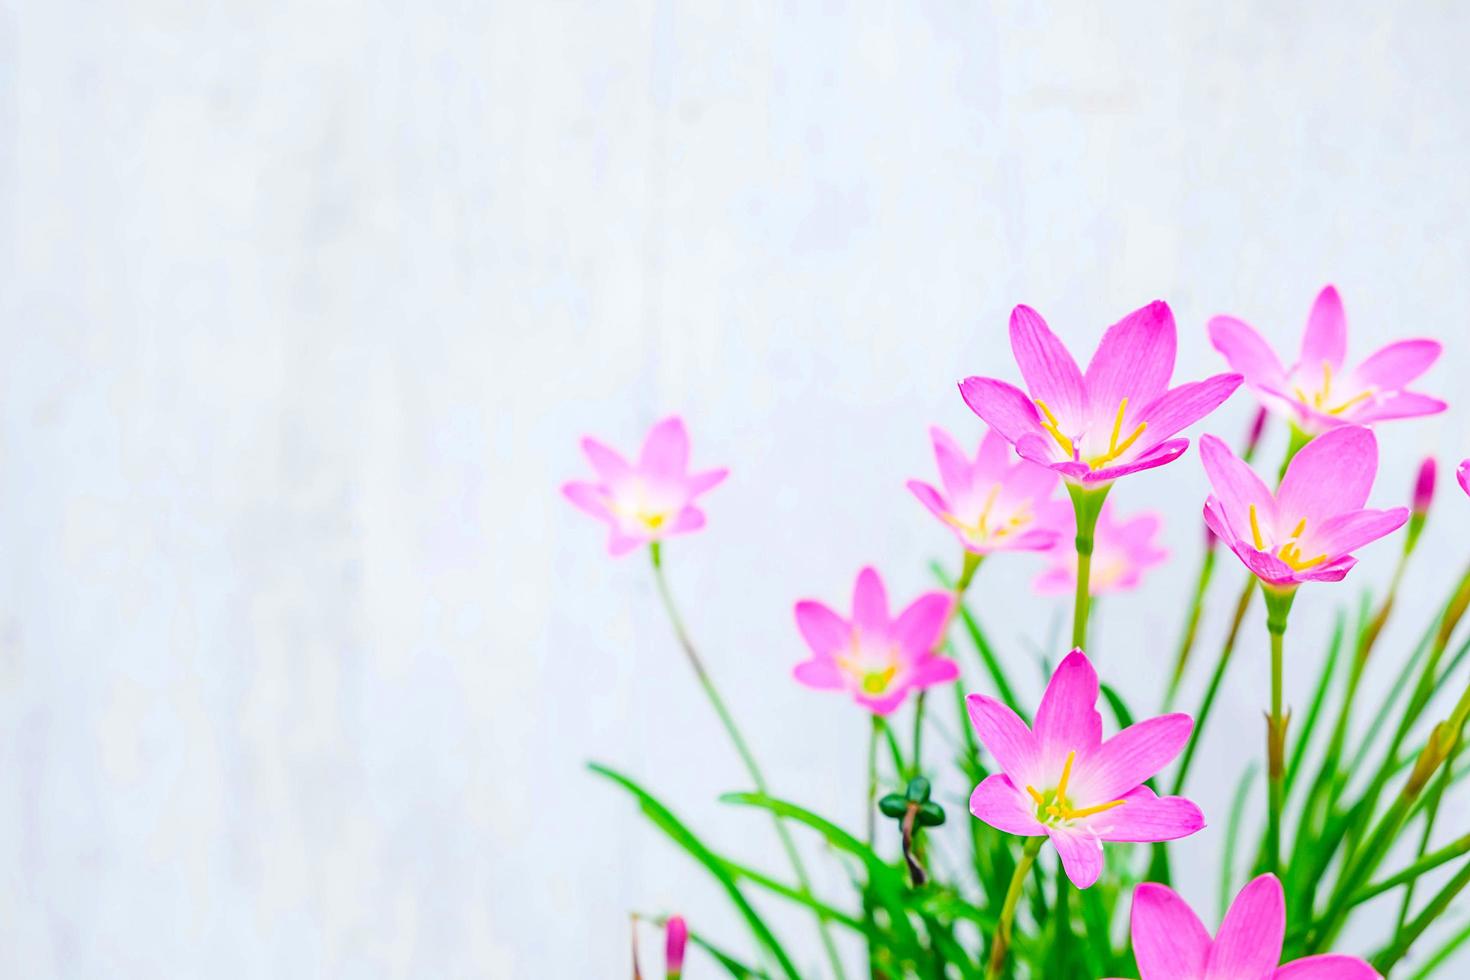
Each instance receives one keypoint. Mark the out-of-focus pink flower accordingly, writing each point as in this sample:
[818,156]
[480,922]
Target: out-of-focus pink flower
[1463,475]
[1424,486]
[1171,943]
[1306,531]
[1062,780]
[995,503]
[649,500]
[877,658]
[1116,419]
[1318,392]
[1121,553]
[676,936]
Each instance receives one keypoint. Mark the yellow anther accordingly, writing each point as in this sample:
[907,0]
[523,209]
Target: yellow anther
[1117,425]
[1256,530]
[1301,526]
[1066,775]
[1040,800]
[1051,425]
[1088,811]
[1361,396]
[1116,449]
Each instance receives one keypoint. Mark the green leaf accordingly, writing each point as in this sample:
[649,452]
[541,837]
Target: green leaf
[1324,681]
[1232,834]
[982,646]
[664,819]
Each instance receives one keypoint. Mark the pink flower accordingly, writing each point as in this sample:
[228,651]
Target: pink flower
[1463,475]
[1306,530]
[877,658]
[1120,555]
[1171,943]
[1317,393]
[1062,780]
[676,935]
[994,503]
[1114,420]
[647,501]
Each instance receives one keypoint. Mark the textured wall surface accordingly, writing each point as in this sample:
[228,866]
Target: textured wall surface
[304,306]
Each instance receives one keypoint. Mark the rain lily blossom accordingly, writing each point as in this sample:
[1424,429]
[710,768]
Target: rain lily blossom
[649,500]
[877,658]
[1307,529]
[1171,943]
[1117,418]
[993,502]
[1319,392]
[1121,553]
[1060,778]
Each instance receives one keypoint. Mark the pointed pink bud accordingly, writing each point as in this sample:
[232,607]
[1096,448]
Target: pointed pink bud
[676,936]
[1424,486]
[1253,438]
[1463,475]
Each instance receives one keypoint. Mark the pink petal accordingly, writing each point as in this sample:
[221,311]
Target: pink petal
[1042,451]
[619,544]
[1059,580]
[1217,522]
[1134,359]
[885,704]
[1004,735]
[1462,474]
[869,601]
[1333,571]
[689,519]
[933,670]
[1067,719]
[1082,856]
[1249,941]
[1267,568]
[1004,407]
[1165,452]
[825,632]
[1394,366]
[996,801]
[1028,481]
[1168,938]
[954,466]
[608,465]
[917,628]
[820,673]
[1345,533]
[1146,817]
[1179,408]
[1246,351]
[587,497]
[1033,540]
[1132,756]
[1399,405]
[1329,967]
[1331,475]
[1050,372]
[994,454]
[1326,335]
[666,450]
[702,482]
[930,498]
[1237,487]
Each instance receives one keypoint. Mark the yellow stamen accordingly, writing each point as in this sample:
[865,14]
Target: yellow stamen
[1088,811]
[1115,449]
[1118,424]
[1256,530]
[1300,527]
[1050,425]
[1066,775]
[1040,800]
[1361,396]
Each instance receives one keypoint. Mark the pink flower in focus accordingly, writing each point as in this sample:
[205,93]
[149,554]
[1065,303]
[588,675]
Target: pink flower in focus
[1306,531]
[1062,780]
[1121,552]
[676,935]
[877,658]
[1171,943]
[1463,475]
[649,500]
[995,503]
[1116,419]
[1318,393]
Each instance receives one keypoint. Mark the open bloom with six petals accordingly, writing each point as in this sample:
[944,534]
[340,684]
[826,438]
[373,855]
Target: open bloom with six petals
[1062,780]
[1116,419]
[1121,552]
[878,658]
[995,502]
[1319,392]
[1171,943]
[1307,529]
[649,500]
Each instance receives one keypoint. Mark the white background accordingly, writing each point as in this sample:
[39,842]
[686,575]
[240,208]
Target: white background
[305,305]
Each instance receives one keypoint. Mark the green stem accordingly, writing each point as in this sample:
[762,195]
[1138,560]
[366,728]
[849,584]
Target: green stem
[741,747]
[1203,714]
[1087,505]
[1278,607]
[1437,905]
[872,809]
[1191,624]
[1001,944]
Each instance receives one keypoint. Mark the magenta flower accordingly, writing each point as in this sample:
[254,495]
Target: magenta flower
[1121,553]
[676,936]
[877,658]
[1116,419]
[647,501]
[1318,393]
[1463,475]
[1171,943]
[1062,780]
[1306,531]
[995,503]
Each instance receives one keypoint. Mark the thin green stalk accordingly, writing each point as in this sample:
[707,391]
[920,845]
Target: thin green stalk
[1001,944]
[1203,714]
[917,766]
[872,808]
[1436,907]
[1191,622]
[1278,608]
[1411,874]
[752,768]
[1087,505]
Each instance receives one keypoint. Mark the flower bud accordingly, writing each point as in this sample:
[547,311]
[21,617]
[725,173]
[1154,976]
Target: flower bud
[1423,495]
[676,937]
[1253,437]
